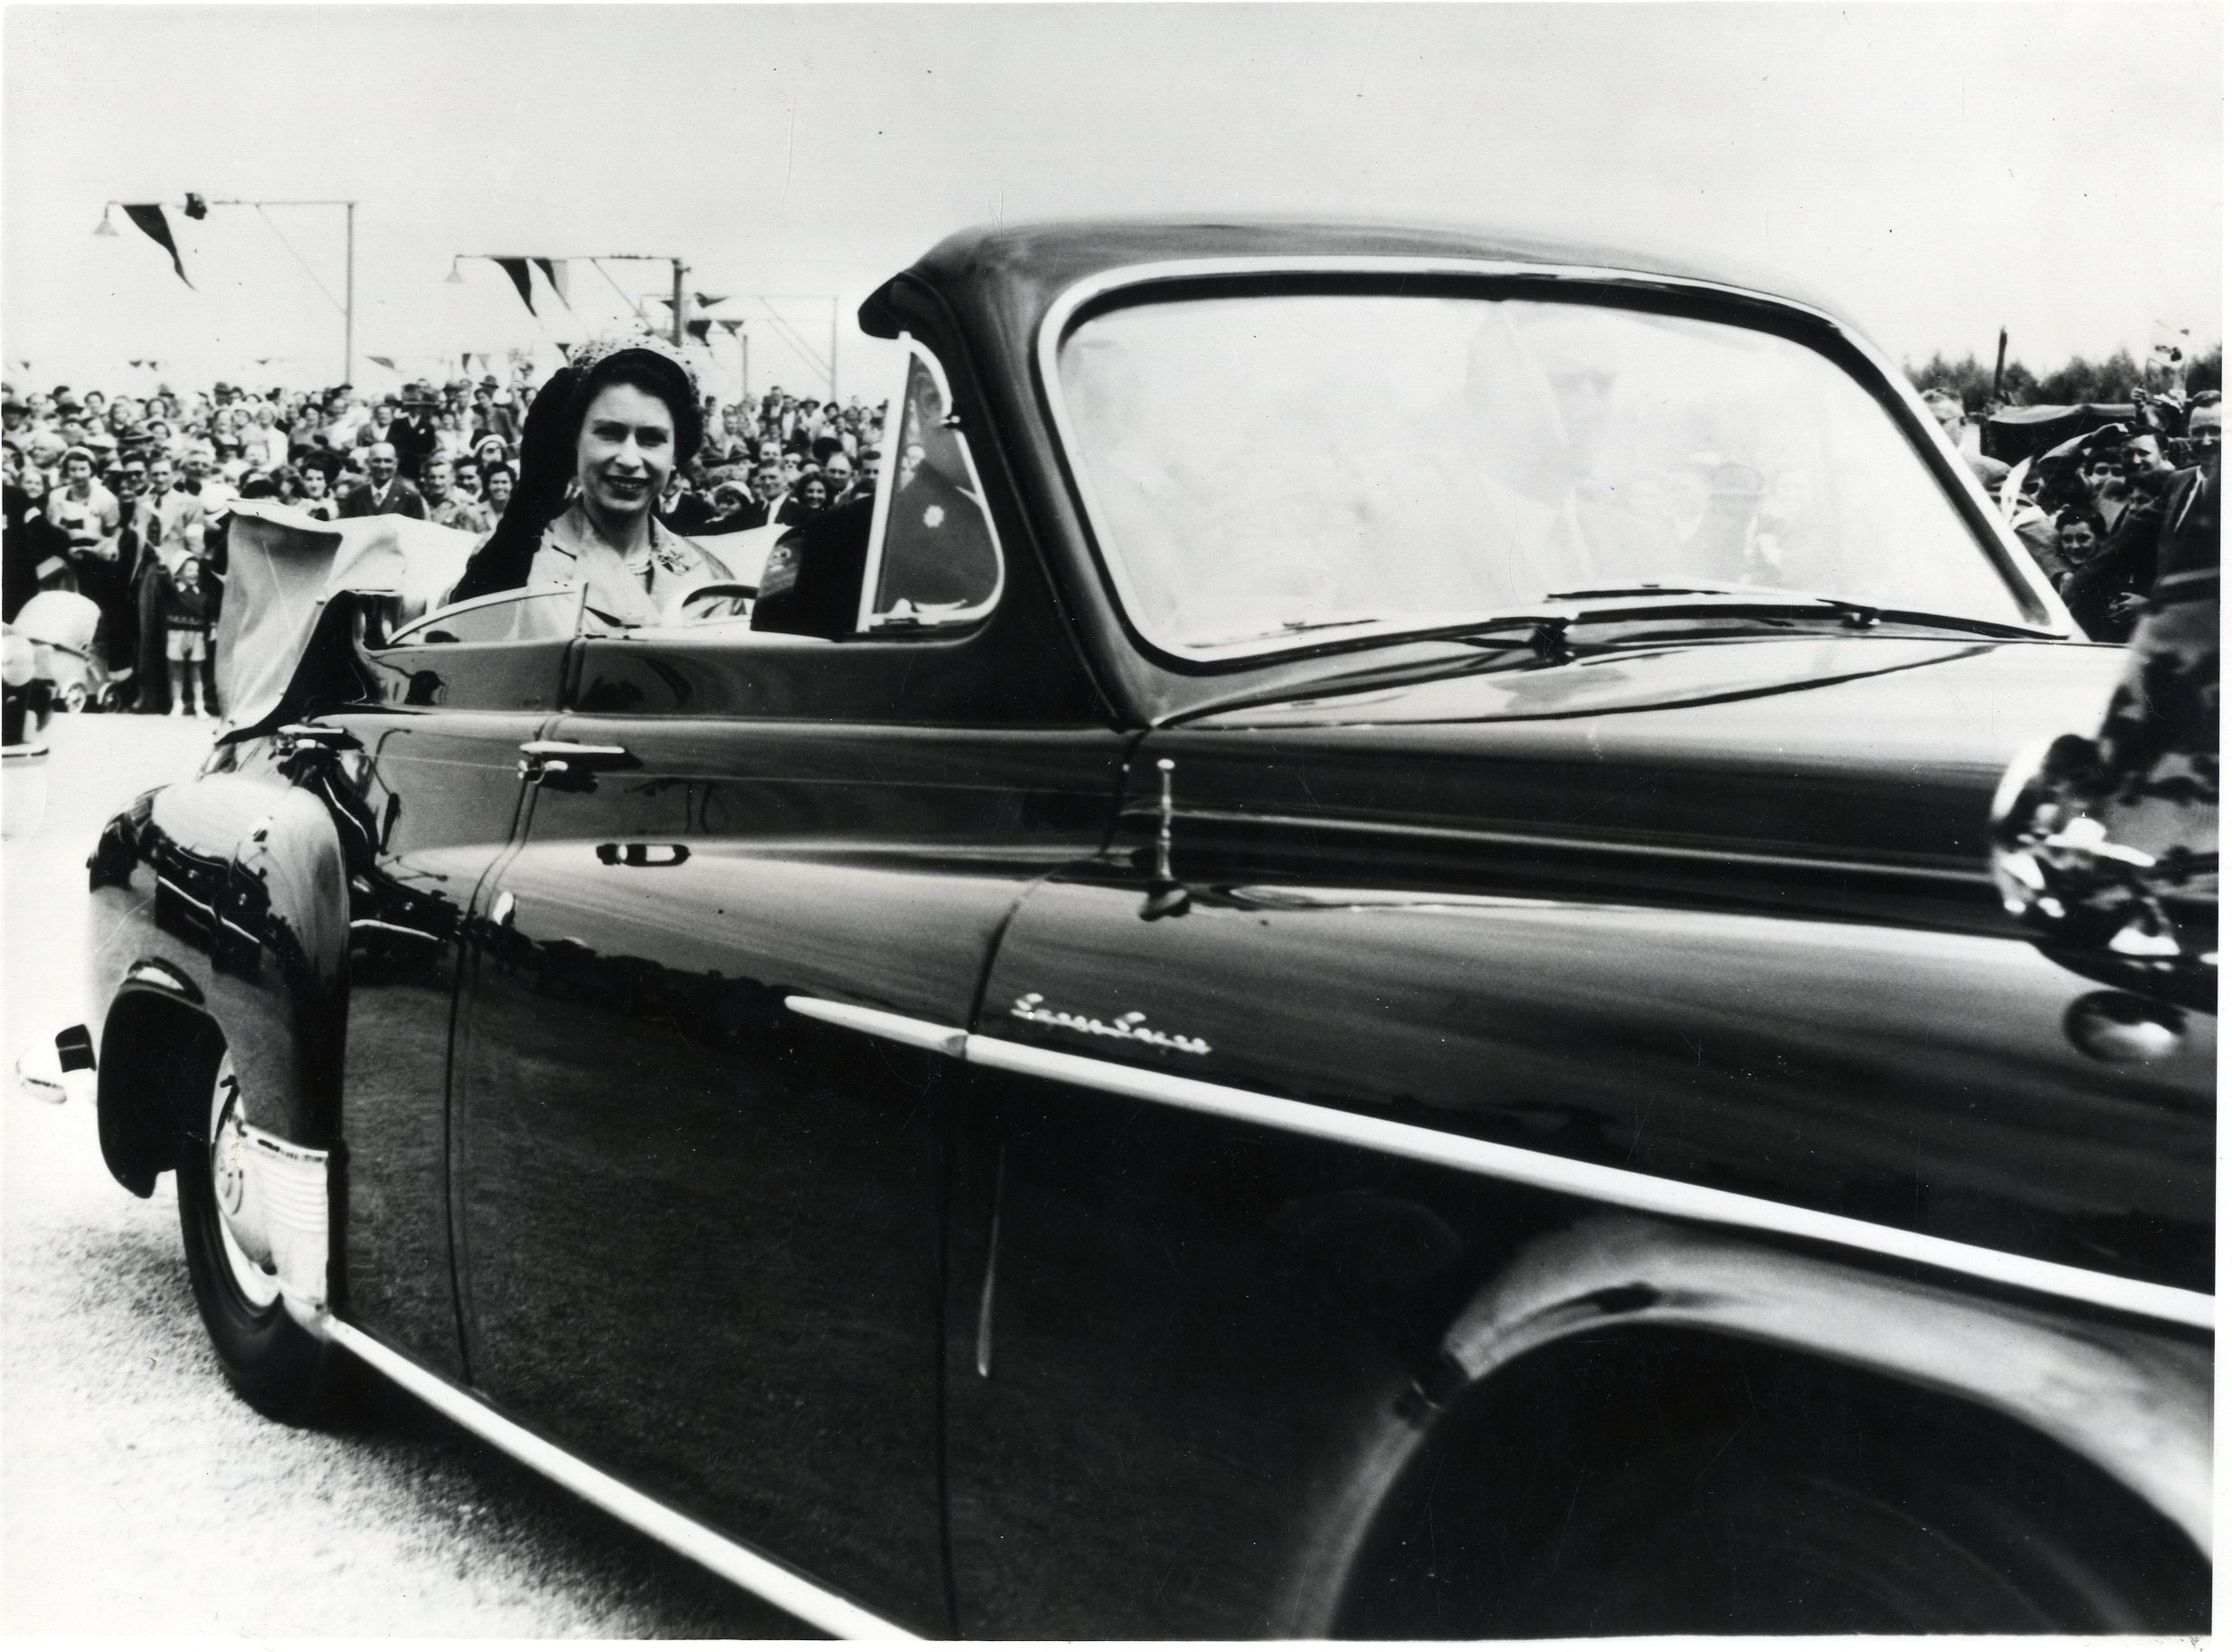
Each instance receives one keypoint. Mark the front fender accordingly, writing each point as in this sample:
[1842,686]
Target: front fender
[2136,1404]
[218,904]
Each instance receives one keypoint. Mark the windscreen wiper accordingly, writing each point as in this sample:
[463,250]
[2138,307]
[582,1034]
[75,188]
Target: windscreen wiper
[1289,628]
[1741,601]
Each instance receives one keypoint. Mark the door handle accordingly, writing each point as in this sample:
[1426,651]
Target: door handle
[568,766]
[642,854]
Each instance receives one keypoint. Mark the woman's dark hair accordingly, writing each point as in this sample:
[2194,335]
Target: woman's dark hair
[546,445]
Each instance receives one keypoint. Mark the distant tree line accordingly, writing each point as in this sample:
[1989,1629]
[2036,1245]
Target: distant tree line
[2076,380]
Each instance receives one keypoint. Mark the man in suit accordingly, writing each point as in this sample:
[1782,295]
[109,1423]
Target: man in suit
[387,494]
[414,434]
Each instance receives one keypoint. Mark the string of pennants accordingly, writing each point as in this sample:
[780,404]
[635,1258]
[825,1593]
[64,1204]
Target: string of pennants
[149,218]
[700,326]
[153,222]
[557,272]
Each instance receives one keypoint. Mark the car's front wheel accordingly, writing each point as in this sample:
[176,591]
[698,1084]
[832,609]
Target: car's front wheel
[1759,1529]
[271,1362]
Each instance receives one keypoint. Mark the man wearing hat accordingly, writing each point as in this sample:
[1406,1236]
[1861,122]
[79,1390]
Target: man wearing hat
[413,433]
[494,413]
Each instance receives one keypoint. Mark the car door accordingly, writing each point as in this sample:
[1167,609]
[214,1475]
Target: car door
[1254,1142]
[425,771]
[701,1209]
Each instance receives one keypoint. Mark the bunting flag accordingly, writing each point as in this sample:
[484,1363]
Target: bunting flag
[156,226]
[730,324]
[707,300]
[697,327]
[385,361]
[556,273]
[517,268]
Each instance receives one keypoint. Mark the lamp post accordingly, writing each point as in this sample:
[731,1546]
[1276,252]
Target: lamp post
[195,207]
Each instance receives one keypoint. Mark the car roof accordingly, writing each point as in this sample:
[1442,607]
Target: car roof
[1013,274]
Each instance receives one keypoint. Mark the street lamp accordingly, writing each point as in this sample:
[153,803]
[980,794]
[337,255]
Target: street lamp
[196,206]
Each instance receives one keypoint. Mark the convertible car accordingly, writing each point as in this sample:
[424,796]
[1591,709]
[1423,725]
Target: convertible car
[1387,954]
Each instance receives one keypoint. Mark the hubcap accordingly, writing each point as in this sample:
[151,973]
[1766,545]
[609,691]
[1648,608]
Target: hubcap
[228,1177]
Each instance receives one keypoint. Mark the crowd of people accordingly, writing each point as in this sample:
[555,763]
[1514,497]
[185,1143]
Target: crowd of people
[119,497]
[2096,513]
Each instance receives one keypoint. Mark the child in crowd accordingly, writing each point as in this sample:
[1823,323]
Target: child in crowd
[187,610]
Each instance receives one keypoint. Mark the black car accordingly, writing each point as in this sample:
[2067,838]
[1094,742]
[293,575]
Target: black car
[1340,975]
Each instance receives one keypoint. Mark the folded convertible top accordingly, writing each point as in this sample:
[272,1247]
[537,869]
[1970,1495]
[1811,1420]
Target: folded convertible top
[281,569]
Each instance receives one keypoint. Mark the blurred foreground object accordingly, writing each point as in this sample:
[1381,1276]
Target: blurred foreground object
[2107,846]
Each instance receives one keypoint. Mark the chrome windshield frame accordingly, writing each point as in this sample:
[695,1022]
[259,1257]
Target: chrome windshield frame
[868,620]
[2034,594]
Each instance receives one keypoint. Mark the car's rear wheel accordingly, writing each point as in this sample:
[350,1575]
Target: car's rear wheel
[271,1362]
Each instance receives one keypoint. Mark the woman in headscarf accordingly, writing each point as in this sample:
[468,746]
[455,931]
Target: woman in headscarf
[602,438]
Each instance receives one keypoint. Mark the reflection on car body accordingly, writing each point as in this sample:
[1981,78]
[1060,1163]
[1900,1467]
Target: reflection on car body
[1363,994]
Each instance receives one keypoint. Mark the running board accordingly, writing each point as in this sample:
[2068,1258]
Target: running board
[831,1613]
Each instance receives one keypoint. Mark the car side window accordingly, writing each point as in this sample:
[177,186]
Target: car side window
[933,557]
[539,613]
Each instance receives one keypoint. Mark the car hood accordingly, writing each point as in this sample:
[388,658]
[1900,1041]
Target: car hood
[1878,752]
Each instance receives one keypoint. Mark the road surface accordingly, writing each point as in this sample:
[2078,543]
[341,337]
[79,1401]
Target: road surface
[138,1497]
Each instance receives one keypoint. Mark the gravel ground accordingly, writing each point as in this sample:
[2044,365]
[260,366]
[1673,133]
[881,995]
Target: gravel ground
[138,1497]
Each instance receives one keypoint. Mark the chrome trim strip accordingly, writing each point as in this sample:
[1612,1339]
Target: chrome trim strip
[1593,846]
[2016,565]
[182,895]
[882,1024]
[809,1603]
[1629,1189]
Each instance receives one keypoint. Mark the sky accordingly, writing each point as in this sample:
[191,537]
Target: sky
[1934,172]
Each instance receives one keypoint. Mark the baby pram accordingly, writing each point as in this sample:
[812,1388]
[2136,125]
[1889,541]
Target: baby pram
[61,625]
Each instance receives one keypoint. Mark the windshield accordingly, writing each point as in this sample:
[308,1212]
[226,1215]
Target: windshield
[1264,466]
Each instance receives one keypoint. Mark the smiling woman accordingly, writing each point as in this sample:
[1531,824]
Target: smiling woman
[602,438]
